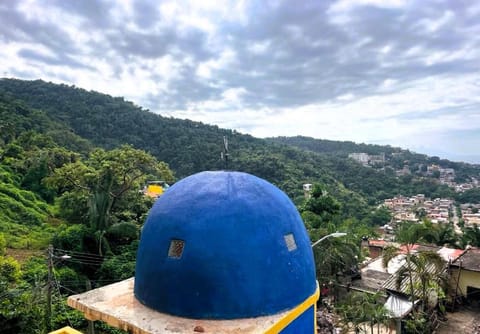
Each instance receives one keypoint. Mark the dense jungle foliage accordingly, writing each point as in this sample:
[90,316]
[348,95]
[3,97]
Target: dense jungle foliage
[73,162]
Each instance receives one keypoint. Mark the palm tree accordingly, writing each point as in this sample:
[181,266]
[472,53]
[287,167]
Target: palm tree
[440,234]
[426,273]
[422,272]
[99,213]
[334,256]
[363,309]
[407,234]
[100,206]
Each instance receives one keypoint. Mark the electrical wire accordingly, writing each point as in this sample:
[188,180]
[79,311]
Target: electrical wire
[82,253]
[71,258]
[80,257]
[77,252]
[62,256]
[83,262]
[61,259]
[107,280]
[93,280]
[76,282]
[68,289]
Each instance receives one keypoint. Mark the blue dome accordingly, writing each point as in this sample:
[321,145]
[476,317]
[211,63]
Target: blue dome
[224,245]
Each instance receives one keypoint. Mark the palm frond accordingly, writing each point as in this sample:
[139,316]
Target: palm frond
[388,254]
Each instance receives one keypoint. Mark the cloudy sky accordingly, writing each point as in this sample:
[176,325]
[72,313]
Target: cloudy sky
[398,72]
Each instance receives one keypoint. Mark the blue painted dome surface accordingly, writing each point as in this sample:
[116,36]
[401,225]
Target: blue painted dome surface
[238,259]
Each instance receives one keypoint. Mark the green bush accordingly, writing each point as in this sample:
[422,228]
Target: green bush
[70,237]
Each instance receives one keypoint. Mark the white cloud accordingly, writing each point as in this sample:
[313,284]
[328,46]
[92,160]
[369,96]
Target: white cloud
[432,25]
[346,97]
[260,47]
[346,5]
[398,71]
[376,118]
[340,11]
[226,58]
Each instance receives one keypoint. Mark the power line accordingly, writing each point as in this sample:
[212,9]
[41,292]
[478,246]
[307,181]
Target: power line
[68,289]
[67,258]
[82,253]
[80,258]
[88,263]
[107,280]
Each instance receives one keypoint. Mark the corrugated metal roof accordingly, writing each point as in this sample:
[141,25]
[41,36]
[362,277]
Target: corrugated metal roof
[399,261]
[404,288]
[470,260]
[398,307]
[372,279]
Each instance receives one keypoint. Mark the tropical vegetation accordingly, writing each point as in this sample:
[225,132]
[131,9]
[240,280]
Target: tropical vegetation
[73,162]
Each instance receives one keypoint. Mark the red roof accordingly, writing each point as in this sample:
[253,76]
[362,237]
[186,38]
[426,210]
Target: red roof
[378,243]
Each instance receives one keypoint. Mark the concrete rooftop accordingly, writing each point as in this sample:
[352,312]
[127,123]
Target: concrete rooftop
[116,305]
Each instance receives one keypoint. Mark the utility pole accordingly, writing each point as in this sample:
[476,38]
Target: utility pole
[48,313]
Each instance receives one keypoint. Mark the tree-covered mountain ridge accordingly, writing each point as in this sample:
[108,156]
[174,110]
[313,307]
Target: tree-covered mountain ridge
[73,162]
[77,119]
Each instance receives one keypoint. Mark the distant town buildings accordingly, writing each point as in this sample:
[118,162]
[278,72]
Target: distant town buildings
[443,175]
[417,207]
[438,211]
[368,159]
[467,186]
[362,158]
[307,189]
[470,214]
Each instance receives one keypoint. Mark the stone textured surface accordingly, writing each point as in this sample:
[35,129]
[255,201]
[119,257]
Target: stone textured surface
[116,305]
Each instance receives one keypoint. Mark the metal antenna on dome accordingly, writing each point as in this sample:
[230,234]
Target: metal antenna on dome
[224,153]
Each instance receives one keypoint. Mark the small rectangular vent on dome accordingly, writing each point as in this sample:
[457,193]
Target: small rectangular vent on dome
[290,242]
[176,248]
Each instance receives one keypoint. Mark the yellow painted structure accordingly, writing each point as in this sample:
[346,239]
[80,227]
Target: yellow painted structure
[154,190]
[466,279]
[66,330]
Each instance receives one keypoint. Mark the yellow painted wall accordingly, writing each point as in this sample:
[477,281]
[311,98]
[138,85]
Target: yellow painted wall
[66,330]
[154,190]
[467,278]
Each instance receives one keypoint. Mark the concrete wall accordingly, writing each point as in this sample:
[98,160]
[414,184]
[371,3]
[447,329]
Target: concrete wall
[467,278]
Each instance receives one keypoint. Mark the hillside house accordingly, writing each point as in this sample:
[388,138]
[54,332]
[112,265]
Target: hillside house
[465,275]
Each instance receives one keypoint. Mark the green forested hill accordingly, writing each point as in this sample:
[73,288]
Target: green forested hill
[16,118]
[396,157]
[109,122]
[22,214]
[331,146]
[189,147]
[72,163]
